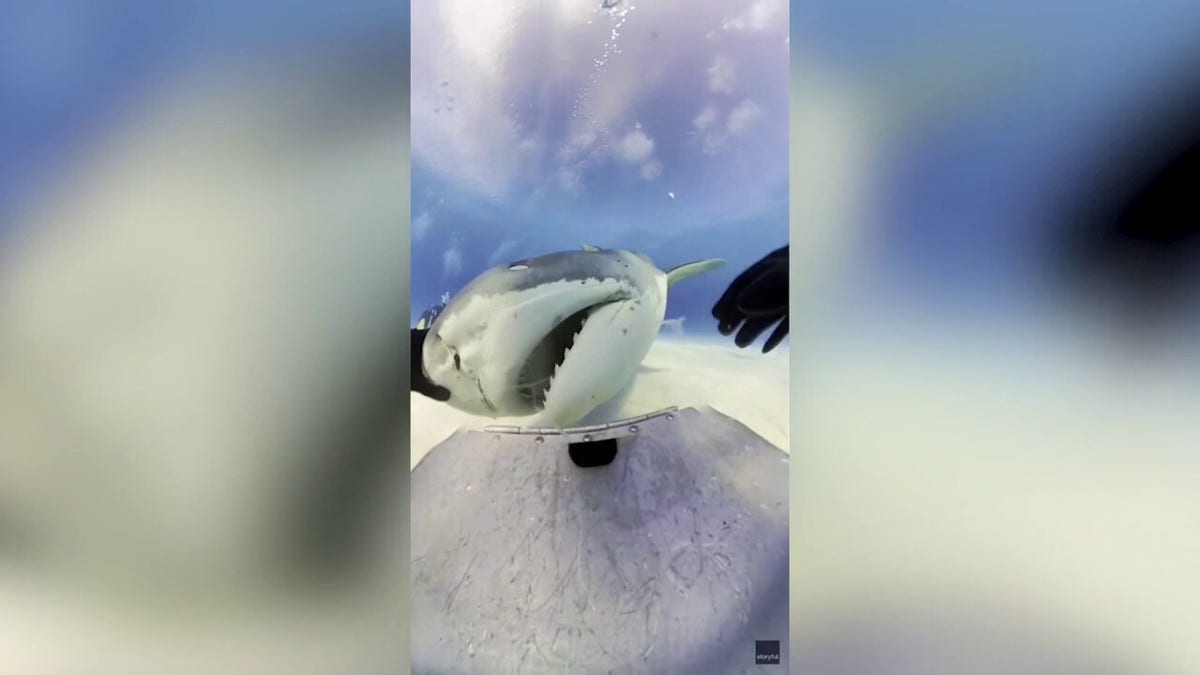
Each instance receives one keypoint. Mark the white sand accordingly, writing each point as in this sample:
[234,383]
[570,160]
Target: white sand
[745,384]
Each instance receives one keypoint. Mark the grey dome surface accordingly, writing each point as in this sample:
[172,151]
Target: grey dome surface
[673,558]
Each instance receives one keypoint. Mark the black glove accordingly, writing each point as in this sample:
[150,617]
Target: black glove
[420,383]
[756,299]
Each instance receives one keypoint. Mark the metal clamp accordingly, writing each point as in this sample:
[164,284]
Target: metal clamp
[596,432]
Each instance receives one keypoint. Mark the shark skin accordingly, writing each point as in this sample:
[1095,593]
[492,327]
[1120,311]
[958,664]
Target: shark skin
[551,337]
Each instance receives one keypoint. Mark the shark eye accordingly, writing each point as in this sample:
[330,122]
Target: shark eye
[457,362]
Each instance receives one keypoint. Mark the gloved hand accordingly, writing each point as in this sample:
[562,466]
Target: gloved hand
[420,383]
[756,299]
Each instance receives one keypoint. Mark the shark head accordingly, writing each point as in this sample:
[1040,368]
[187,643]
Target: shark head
[555,335]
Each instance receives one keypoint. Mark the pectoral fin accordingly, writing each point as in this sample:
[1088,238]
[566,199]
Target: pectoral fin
[681,272]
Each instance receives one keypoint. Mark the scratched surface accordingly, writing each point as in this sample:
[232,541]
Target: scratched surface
[671,559]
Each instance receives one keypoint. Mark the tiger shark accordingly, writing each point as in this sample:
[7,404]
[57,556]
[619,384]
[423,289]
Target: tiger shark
[553,336]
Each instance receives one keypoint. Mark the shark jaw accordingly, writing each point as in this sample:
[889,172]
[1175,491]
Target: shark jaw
[537,374]
[503,354]
[553,337]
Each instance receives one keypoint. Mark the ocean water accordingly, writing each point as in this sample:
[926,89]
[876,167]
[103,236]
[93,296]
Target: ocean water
[969,454]
[655,127]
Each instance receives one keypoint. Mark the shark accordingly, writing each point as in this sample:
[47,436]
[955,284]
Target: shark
[551,337]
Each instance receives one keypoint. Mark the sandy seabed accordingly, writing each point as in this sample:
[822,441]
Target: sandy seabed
[745,384]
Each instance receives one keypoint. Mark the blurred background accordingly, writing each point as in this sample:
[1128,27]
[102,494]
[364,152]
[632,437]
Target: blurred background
[995,391]
[204,278]
[203,304]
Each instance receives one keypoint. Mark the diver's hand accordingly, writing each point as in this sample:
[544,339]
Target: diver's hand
[756,299]
[420,383]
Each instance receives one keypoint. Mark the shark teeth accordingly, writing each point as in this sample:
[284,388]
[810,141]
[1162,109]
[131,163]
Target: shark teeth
[537,375]
[545,394]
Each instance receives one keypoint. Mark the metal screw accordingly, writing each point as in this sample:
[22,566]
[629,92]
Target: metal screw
[539,439]
[633,428]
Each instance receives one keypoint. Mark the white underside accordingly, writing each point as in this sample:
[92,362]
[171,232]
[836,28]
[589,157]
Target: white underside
[603,360]
[495,333]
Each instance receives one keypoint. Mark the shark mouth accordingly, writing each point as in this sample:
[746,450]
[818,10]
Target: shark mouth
[538,371]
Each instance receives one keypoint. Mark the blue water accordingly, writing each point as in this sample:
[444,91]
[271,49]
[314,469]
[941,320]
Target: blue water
[655,180]
[478,235]
[69,69]
[960,202]
[966,207]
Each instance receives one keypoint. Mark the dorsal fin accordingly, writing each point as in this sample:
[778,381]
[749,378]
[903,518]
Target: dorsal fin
[680,272]
[590,248]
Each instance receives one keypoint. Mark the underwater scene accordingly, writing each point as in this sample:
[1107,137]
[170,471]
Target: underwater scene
[600,299]
[205,234]
[655,128]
